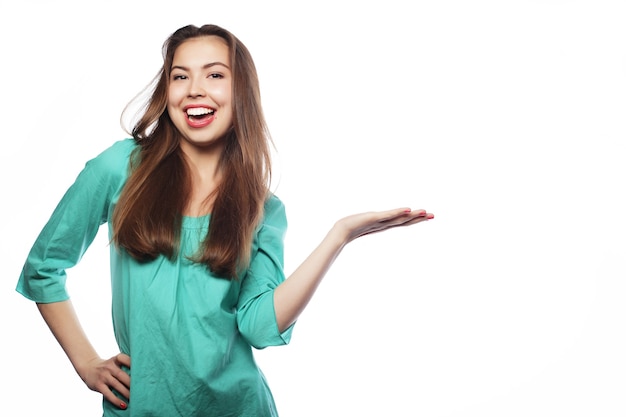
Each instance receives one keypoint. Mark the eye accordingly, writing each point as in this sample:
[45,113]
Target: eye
[179,77]
[215,76]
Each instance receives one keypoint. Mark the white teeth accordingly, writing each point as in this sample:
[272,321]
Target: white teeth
[198,111]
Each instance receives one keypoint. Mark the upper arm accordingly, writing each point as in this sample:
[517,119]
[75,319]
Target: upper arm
[73,225]
[256,317]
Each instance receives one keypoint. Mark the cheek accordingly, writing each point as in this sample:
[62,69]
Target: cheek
[173,96]
[222,94]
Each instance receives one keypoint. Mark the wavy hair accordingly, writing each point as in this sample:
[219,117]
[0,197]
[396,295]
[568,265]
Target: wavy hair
[148,216]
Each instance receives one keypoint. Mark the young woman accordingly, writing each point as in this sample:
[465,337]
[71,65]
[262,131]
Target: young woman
[197,244]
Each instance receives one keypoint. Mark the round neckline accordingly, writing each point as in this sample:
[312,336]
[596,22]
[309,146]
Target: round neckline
[195,222]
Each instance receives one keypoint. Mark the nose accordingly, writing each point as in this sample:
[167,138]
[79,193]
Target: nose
[196,89]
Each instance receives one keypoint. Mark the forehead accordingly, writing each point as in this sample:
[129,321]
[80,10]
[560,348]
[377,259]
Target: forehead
[201,51]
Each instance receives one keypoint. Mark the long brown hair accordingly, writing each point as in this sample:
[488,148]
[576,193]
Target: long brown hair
[148,216]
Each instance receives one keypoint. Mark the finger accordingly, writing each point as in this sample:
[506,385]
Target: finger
[419,213]
[122,377]
[113,399]
[122,359]
[398,222]
[385,217]
[422,214]
[118,379]
[405,217]
[120,387]
[414,220]
[386,226]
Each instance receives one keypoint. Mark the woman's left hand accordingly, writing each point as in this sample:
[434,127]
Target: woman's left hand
[362,224]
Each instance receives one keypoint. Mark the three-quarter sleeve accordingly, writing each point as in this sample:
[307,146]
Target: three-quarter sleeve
[73,225]
[256,316]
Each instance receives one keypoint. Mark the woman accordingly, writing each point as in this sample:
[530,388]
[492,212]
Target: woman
[197,244]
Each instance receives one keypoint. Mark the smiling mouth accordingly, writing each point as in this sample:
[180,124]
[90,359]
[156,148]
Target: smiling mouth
[198,113]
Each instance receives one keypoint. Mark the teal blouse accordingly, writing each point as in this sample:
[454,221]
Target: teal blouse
[189,334]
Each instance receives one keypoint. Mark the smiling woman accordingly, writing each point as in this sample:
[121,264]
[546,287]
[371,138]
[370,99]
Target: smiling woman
[197,259]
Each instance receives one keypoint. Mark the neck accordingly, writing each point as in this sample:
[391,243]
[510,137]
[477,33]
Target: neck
[205,175]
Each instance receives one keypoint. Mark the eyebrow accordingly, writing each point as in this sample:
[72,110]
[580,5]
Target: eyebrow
[205,66]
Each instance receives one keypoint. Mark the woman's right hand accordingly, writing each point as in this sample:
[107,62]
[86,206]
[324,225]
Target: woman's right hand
[101,375]
[106,376]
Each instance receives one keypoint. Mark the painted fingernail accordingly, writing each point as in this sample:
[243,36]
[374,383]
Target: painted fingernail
[123,405]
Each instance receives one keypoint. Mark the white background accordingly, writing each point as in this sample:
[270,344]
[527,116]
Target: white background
[504,118]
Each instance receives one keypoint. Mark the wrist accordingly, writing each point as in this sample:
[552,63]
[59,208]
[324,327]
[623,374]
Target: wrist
[82,365]
[339,235]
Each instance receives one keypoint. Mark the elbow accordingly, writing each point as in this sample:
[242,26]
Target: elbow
[258,324]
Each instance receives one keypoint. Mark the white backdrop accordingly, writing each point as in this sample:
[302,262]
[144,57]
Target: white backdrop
[505,118]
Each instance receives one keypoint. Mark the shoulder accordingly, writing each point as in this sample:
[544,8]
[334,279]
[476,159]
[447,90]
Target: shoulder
[116,155]
[113,162]
[275,213]
[274,223]
[273,228]
[109,169]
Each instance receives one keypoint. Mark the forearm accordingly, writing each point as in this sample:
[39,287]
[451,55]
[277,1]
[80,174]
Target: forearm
[293,295]
[65,326]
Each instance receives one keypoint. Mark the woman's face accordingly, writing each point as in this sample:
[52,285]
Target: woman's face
[199,97]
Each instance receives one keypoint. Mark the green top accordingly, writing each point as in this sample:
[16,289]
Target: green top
[189,334]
